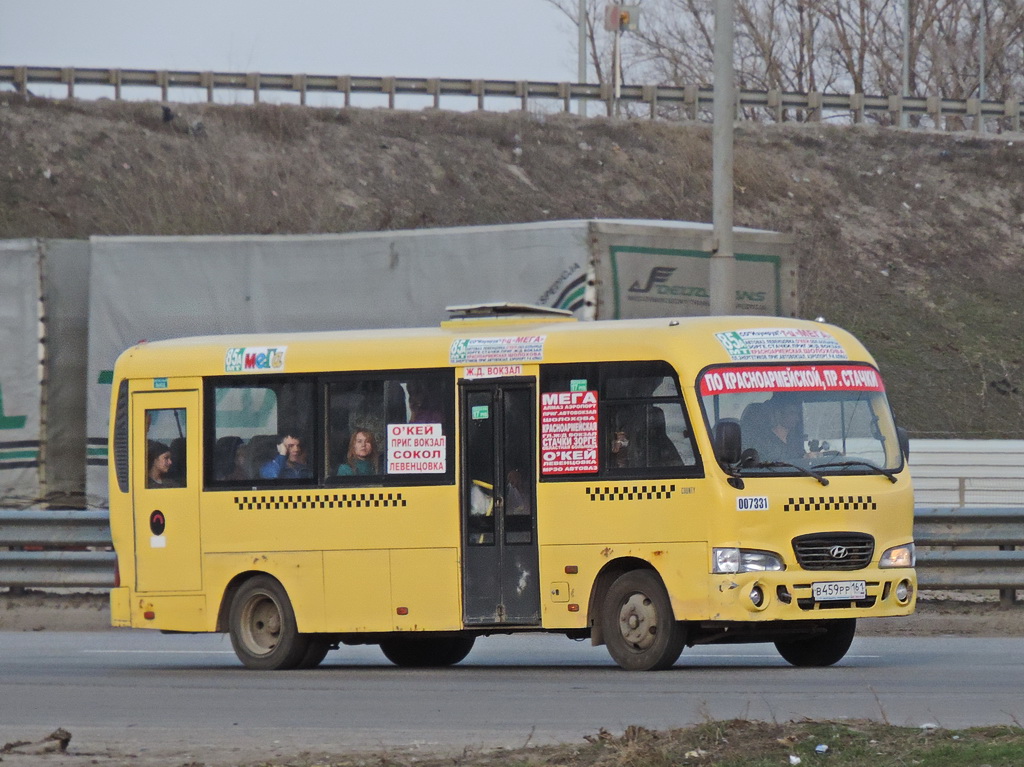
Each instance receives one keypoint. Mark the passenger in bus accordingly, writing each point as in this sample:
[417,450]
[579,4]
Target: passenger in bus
[290,462]
[662,451]
[756,429]
[158,465]
[783,439]
[618,456]
[423,403]
[225,451]
[242,468]
[363,457]
[177,472]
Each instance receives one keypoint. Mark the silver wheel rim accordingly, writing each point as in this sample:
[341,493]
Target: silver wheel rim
[638,622]
[261,624]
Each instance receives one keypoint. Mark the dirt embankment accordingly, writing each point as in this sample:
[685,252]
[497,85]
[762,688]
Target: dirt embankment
[912,240]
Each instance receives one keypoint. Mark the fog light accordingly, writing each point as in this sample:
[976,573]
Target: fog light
[903,591]
[757,596]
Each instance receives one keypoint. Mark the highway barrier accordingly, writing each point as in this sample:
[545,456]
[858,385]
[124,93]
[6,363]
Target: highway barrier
[693,101]
[958,549]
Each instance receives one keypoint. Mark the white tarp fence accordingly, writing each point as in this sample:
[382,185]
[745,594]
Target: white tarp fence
[43,321]
[108,294]
[20,375]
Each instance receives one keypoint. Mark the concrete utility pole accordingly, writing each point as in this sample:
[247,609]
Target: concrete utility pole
[982,34]
[723,261]
[904,117]
[581,74]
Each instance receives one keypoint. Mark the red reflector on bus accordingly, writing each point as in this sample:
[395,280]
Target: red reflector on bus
[573,608]
[402,611]
[571,569]
[149,615]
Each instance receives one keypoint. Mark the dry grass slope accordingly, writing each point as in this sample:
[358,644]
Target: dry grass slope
[913,241]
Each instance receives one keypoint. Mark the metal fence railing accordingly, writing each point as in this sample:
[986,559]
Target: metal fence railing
[55,548]
[691,100]
[958,548]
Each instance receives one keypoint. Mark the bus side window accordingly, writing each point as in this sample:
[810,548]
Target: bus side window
[357,416]
[368,416]
[165,448]
[250,419]
[644,422]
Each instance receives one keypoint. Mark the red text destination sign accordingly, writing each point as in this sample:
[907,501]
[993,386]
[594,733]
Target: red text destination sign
[734,380]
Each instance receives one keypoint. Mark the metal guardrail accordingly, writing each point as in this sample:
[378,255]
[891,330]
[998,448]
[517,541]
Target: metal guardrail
[34,537]
[970,548]
[958,548]
[694,99]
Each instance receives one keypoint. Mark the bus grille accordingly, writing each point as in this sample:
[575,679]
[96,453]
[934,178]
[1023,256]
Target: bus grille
[834,551]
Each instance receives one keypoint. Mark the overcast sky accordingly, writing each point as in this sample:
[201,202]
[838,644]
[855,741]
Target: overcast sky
[493,39]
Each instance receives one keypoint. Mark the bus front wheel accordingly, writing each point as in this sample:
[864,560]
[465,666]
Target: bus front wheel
[262,626]
[639,626]
[823,649]
[426,652]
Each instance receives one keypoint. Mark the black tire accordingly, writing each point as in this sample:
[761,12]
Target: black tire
[639,627]
[262,626]
[426,652]
[315,653]
[823,649]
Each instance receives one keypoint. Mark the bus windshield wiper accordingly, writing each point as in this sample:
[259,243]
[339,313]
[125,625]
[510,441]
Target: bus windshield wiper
[801,469]
[874,468]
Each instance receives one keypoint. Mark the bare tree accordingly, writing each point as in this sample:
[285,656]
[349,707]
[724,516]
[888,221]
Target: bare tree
[828,45]
[599,41]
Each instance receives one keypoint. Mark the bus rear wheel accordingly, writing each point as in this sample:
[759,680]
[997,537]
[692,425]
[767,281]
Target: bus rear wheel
[426,652]
[262,626]
[822,649]
[639,626]
[315,653]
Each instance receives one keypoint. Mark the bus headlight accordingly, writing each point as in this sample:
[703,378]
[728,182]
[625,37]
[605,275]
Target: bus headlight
[899,556]
[744,561]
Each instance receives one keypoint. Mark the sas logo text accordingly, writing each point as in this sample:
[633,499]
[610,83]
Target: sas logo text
[248,359]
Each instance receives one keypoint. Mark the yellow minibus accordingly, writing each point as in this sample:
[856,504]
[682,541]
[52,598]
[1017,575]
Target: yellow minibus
[647,484]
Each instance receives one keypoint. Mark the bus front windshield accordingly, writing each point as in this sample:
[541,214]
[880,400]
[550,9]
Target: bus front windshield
[831,418]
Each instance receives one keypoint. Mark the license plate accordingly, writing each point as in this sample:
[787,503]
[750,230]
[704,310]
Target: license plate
[829,591]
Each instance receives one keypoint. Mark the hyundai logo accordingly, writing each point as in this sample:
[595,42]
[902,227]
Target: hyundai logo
[839,552]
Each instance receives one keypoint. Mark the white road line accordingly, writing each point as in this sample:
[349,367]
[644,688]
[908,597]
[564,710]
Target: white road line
[156,652]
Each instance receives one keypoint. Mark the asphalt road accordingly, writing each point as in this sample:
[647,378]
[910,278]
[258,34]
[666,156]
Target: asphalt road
[151,693]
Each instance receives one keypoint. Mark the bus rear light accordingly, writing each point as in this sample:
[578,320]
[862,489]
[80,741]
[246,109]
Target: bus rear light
[574,608]
[149,615]
[402,611]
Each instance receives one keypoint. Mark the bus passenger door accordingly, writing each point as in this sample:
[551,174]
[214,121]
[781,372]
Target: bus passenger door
[500,582]
[165,471]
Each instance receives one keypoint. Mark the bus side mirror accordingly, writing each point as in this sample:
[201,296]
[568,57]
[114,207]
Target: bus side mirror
[728,444]
[904,439]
